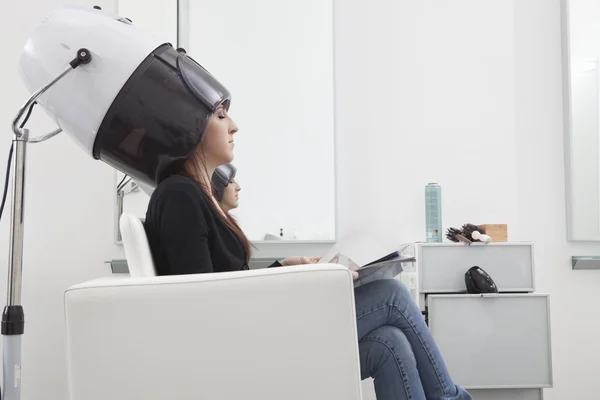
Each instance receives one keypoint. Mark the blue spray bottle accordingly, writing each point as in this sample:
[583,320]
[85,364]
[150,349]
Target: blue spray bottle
[433,212]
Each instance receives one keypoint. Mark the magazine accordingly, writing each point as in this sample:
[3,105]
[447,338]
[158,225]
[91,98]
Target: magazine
[372,259]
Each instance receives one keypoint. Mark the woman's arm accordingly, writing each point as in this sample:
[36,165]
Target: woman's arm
[184,233]
[295,260]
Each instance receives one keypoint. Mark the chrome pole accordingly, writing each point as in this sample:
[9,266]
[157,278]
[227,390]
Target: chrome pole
[13,318]
[15,266]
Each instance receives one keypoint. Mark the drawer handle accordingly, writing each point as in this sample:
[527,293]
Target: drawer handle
[490,294]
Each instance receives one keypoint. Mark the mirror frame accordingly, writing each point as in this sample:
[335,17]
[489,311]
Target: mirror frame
[183,28]
[566,106]
[567,123]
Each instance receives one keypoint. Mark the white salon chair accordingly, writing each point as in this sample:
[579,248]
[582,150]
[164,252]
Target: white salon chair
[137,250]
[269,334]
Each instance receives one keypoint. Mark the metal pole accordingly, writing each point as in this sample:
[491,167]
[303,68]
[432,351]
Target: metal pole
[16,219]
[13,319]
[120,198]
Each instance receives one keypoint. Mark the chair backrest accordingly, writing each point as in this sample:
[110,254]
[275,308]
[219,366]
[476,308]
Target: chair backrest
[137,249]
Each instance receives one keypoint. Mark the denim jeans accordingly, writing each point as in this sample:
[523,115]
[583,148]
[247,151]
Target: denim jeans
[396,347]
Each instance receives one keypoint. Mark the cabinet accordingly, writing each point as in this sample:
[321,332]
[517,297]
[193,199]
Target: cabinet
[497,346]
[493,341]
[442,266]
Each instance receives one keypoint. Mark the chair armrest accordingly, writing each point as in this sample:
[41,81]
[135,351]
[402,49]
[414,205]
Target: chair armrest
[279,333]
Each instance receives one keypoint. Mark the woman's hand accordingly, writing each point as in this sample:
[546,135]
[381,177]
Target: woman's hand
[302,260]
[299,260]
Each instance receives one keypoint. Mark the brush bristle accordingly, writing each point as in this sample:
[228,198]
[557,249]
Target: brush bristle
[451,234]
[468,229]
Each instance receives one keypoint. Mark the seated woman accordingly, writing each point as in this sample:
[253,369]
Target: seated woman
[189,233]
[226,188]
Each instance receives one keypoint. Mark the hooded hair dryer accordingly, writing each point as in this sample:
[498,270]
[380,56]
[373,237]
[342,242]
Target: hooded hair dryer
[130,100]
[140,105]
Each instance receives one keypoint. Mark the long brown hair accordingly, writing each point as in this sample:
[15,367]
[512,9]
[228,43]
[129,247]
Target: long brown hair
[195,168]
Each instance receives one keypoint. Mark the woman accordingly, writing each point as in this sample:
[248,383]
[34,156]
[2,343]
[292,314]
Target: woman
[189,233]
[225,188]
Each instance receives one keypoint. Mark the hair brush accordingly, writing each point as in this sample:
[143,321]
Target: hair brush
[456,235]
[471,232]
[468,229]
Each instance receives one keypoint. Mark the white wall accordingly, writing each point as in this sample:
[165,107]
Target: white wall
[469,104]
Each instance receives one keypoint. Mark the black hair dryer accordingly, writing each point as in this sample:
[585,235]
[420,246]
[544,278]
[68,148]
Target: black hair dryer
[478,281]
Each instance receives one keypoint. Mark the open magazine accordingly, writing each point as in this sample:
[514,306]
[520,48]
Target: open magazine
[372,259]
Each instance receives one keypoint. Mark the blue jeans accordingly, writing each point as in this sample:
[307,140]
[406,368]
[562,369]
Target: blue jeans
[396,347]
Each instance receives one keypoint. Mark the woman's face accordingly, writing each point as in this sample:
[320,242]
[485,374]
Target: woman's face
[217,144]
[231,196]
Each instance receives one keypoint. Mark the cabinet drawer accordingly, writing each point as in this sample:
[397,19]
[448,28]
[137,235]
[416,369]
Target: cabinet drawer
[442,266]
[494,341]
[368,393]
[506,394]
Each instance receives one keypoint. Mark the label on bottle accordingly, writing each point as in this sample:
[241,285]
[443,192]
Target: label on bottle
[17,375]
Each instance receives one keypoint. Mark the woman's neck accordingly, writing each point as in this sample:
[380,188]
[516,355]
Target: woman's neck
[203,174]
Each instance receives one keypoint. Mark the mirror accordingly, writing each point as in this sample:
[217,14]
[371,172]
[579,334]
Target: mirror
[276,58]
[581,90]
